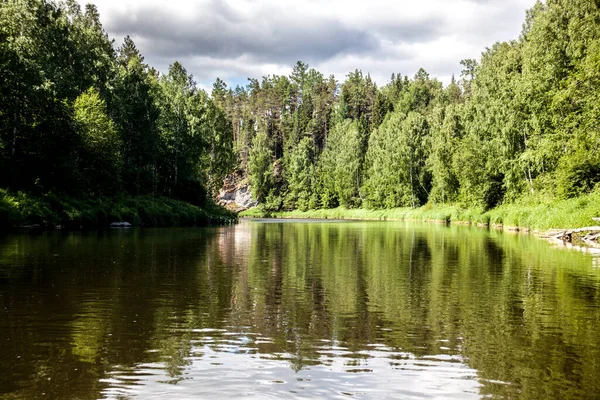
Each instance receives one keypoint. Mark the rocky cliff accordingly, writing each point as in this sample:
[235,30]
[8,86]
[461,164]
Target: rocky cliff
[235,194]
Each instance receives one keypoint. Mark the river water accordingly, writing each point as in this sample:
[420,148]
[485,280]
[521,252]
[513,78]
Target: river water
[297,309]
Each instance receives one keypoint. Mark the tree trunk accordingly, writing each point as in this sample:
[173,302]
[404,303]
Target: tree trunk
[14,141]
[154,179]
[412,186]
[530,180]
[176,171]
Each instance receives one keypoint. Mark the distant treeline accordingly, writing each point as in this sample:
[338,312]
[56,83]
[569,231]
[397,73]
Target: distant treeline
[522,121]
[78,115]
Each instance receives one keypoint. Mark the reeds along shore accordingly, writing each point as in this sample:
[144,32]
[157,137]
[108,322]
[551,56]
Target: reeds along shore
[543,218]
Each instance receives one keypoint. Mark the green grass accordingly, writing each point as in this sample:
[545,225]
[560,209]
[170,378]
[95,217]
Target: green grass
[49,210]
[526,214]
[426,213]
[557,214]
[254,212]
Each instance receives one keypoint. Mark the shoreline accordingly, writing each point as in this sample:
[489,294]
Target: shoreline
[24,212]
[544,220]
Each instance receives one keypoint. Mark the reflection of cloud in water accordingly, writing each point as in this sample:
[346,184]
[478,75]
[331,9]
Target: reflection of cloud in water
[234,243]
[313,310]
[233,367]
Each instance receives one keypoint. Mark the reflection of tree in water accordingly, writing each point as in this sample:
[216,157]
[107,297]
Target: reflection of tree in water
[515,310]
[98,301]
[429,291]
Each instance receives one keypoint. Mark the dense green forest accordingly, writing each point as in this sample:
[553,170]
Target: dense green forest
[81,121]
[80,117]
[522,122]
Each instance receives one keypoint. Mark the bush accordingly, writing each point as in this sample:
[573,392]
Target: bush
[92,213]
[578,175]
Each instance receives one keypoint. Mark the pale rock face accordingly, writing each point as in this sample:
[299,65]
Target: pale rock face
[120,225]
[235,194]
[243,197]
[238,200]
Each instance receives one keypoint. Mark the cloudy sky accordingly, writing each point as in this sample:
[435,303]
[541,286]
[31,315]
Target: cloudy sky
[237,39]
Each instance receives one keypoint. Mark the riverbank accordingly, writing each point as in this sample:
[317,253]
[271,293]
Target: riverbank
[50,211]
[530,216]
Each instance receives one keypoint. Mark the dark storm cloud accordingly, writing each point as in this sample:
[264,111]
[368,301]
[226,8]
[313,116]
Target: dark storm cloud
[417,31]
[217,31]
[235,39]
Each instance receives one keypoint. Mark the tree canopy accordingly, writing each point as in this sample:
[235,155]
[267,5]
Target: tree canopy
[78,114]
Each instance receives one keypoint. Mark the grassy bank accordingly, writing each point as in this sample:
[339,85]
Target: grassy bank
[51,210]
[530,214]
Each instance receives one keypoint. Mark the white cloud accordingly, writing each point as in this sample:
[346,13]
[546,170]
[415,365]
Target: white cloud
[235,39]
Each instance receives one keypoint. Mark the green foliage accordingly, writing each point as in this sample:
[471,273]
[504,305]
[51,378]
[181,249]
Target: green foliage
[182,140]
[533,213]
[358,96]
[579,173]
[218,157]
[55,209]
[341,165]
[480,181]
[260,168]
[135,115]
[543,214]
[301,172]
[397,155]
[99,159]
[79,117]
[196,138]
[579,101]
[446,132]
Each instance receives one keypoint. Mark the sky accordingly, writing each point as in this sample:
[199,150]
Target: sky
[238,39]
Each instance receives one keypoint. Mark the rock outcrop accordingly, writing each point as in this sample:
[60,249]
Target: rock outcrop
[235,194]
[120,225]
[589,235]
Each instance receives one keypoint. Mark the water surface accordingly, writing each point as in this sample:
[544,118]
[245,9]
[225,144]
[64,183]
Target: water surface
[297,310]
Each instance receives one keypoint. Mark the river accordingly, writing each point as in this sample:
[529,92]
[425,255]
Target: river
[297,309]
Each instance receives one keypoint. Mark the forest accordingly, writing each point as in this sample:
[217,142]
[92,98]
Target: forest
[83,118]
[83,124]
[521,122]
